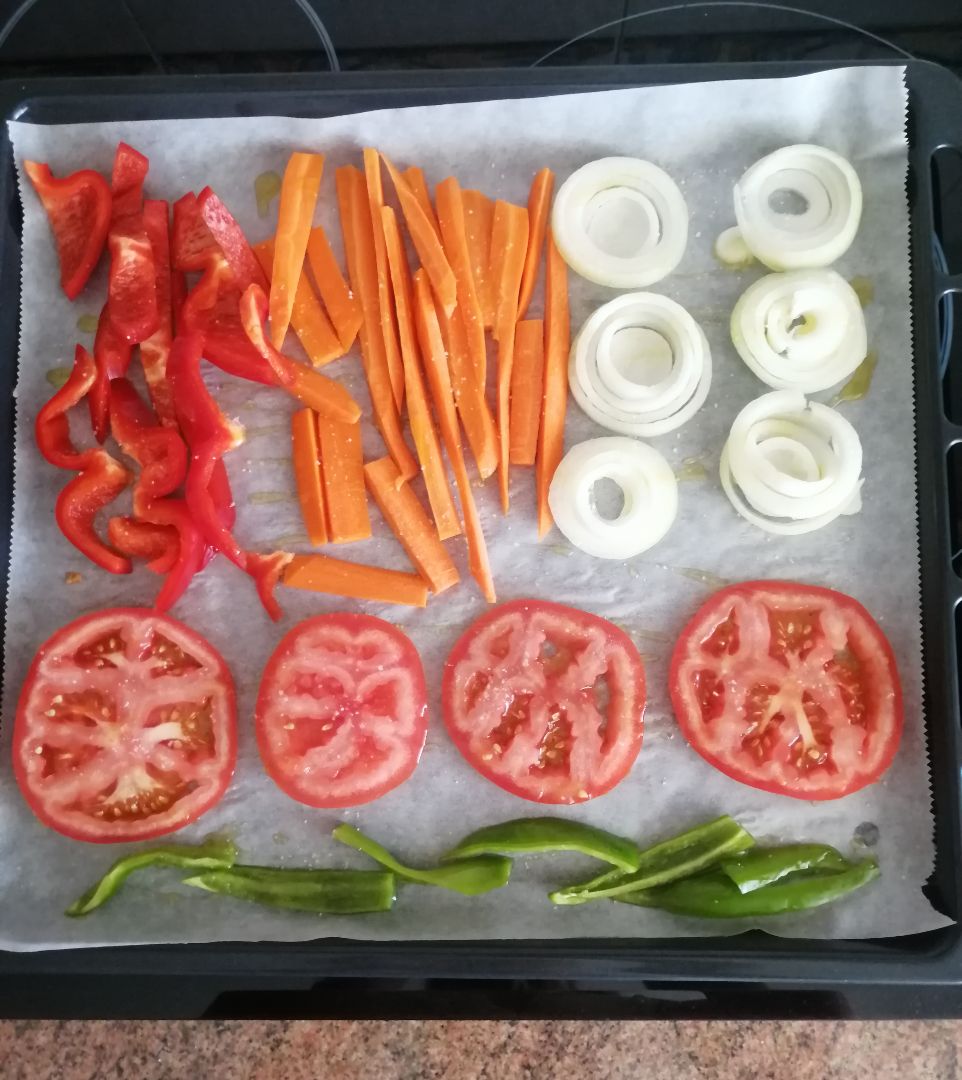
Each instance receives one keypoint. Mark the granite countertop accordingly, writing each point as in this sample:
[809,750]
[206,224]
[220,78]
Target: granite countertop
[352,1050]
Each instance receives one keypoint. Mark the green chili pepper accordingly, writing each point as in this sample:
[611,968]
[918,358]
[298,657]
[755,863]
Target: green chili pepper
[470,877]
[323,892]
[534,835]
[714,896]
[213,854]
[760,867]
[679,857]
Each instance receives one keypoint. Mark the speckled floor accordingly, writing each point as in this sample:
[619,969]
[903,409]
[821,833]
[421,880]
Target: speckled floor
[397,1050]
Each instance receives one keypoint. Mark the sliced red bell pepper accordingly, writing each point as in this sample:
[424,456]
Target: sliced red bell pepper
[131,295]
[209,435]
[112,356]
[155,349]
[52,429]
[159,544]
[178,294]
[191,548]
[266,571]
[231,240]
[78,209]
[192,243]
[98,484]
[159,451]
[127,182]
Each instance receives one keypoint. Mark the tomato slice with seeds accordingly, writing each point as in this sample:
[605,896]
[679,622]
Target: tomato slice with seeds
[546,701]
[342,710]
[126,727]
[788,688]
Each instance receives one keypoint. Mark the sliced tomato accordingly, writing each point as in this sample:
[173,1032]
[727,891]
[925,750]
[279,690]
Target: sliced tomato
[546,701]
[342,710]
[125,728]
[789,688]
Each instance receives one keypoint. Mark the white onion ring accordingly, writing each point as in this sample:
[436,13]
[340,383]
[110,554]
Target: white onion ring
[731,250]
[662,243]
[791,467]
[822,351]
[646,480]
[621,404]
[815,237]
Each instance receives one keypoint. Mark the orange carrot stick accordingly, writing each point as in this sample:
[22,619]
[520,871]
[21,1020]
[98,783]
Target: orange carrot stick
[312,326]
[392,350]
[342,305]
[307,475]
[435,363]
[476,418]
[557,334]
[342,467]
[419,189]
[411,525]
[478,219]
[359,248]
[509,242]
[539,202]
[426,243]
[527,386]
[295,212]
[455,240]
[419,413]
[321,573]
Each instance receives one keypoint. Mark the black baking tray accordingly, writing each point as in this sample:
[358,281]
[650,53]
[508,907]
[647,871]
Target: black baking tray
[553,977]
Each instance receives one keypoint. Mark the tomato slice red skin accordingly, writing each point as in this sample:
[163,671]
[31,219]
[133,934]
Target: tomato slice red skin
[866,625]
[283,770]
[99,831]
[625,669]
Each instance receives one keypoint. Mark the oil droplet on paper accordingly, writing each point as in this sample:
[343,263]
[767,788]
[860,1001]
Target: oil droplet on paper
[72,578]
[864,289]
[57,376]
[267,187]
[260,498]
[691,468]
[280,838]
[860,383]
[705,577]
[87,324]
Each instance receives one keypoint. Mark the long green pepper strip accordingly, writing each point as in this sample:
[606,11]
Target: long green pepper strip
[762,866]
[213,854]
[679,857]
[541,834]
[321,892]
[714,896]
[470,877]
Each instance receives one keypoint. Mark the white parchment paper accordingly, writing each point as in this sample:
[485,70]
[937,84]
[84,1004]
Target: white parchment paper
[705,136]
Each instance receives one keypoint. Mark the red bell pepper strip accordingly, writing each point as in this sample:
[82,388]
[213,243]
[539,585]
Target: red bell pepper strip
[78,209]
[159,544]
[52,430]
[231,240]
[266,571]
[127,182]
[155,349]
[99,483]
[191,548]
[112,356]
[192,243]
[209,435]
[131,295]
[159,451]
[178,294]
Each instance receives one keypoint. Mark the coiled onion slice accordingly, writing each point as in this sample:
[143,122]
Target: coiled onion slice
[648,486]
[620,222]
[640,365]
[791,467]
[803,330]
[829,196]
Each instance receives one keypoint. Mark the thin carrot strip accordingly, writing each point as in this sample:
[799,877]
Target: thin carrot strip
[385,302]
[426,243]
[435,363]
[419,189]
[411,525]
[478,219]
[539,202]
[455,239]
[359,248]
[476,418]
[527,386]
[419,413]
[557,335]
[307,475]
[321,573]
[312,326]
[342,469]
[509,242]
[295,212]
[341,304]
